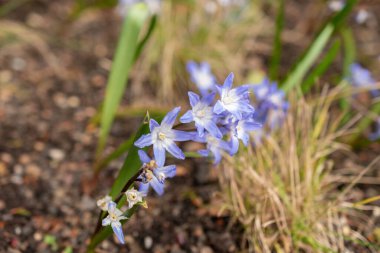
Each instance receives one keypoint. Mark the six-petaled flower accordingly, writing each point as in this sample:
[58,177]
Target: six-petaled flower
[114,217]
[134,197]
[163,137]
[153,174]
[233,100]
[202,114]
[202,76]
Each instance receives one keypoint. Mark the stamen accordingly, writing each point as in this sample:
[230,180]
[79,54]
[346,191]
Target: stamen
[161,136]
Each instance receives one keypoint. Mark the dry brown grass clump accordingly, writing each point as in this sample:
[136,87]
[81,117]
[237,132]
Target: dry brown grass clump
[283,192]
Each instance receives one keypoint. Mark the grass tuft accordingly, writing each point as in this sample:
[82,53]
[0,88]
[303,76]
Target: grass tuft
[283,191]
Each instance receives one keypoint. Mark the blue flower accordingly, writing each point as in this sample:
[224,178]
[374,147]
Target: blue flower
[163,137]
[235,101]
[154,175]
[362,78]
[268,95]
[114,217]
[215,146]
[202,114]
[240,130]
[202,76]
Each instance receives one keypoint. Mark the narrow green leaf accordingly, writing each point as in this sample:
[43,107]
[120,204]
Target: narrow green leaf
[322,67]
[313,52]
[121,66]
[349,49]
[148,34]
[276,57]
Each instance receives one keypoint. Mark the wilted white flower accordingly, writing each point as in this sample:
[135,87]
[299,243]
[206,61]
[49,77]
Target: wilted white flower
[336,5]
[134,197]
[362,16]
[103,202]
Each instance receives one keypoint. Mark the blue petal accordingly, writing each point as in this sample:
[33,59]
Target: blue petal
[217,156]
[111,206]
[241,90]
[182,135]
[250,126]
[169,171]
[144,188]
[218,107]
[159,154]
[144,141]
[204,152]
[228,82]
[187,117]
[143,156]
[170,117]
[205,67]
[153,124]
[191,66]
[173,149]
[157,186]
[234,145]
[193,98]
[116,227]
[212,128]
[245,139]
[209,98]
[106,221]
[200,130]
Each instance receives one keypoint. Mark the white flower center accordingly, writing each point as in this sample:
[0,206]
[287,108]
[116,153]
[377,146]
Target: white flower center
[202,111]
[161,136]
[113,217]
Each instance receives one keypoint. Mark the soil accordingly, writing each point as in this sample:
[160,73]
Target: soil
[52,81]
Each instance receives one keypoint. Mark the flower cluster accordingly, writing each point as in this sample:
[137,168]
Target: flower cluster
[271,107]
[362,78]
[222,116]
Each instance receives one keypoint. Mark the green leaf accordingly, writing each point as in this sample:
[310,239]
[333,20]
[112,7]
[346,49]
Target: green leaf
[313,52]
[276,57]
[121,66]
[349,49]
[322,67]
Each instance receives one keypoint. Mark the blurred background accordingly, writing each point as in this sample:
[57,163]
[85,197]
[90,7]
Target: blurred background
[55,60]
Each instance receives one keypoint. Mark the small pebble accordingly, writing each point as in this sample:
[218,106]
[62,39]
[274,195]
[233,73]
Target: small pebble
[18,64]
[148,242]
[56,154]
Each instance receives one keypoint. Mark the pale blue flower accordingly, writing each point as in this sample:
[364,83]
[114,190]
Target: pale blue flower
[202,114]
[202,76]
[163,137]
[241,130]
[268,95]
[215,146]
[235,101]
[362,78]
[114,217]
[154,175]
